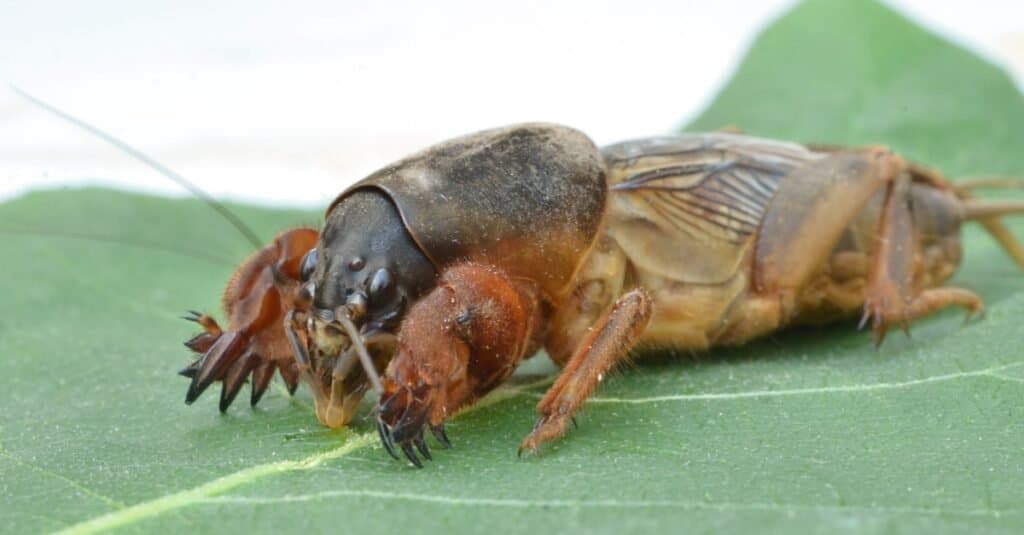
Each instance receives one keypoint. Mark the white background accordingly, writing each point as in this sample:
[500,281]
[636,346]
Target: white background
[256,101]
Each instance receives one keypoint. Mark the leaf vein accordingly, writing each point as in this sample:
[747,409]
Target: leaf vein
[207,491]
[598,503]
[987,372]
[220,485]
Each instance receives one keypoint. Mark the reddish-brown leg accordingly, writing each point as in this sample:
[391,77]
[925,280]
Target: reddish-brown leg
[609,342]
[456,344]
[256,299]
[812,208]
[890,298]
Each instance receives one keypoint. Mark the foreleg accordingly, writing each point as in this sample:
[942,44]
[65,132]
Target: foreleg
[457,343]
[256,300]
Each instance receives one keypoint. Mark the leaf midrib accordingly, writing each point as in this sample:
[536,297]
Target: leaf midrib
[212,491]
[177,500]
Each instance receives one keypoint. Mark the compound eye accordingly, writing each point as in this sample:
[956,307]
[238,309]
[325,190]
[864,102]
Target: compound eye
[308,265]
[380,283]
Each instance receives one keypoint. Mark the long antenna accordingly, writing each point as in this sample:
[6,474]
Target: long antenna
[155,165]
[979,210]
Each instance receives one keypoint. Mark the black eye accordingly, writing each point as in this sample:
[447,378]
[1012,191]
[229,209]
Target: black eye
[380,282]
[357,263]
[308,265]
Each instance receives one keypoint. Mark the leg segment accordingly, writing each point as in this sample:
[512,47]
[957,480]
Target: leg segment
[821,201]
[925,303]
[889,293]
[891,297]
[256,299]
[457,343]
[812,208]
[609,343]
[936,299]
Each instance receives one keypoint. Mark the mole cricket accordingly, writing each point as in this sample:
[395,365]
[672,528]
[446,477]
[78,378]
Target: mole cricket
[434,277]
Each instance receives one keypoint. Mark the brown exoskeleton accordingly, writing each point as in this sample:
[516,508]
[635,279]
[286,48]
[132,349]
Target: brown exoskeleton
[446,269]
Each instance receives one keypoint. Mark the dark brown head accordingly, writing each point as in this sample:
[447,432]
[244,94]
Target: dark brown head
[366,267]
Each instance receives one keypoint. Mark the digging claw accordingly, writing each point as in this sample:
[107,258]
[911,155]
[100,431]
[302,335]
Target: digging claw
[409,454]
[421,446]
[261,377]
[402,423]
[440,435]
[229,358]
[385,438]
[189,371]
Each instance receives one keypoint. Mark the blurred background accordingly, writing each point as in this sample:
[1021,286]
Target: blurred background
[255,101]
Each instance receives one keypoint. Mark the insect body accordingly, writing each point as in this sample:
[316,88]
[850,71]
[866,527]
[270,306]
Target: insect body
[446,269]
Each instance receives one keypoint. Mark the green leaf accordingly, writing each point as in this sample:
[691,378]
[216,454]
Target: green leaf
[811,431]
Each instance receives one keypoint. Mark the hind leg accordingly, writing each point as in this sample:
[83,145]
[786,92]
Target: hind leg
[812,208]
[817,203]
[923,304]
[890,298]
